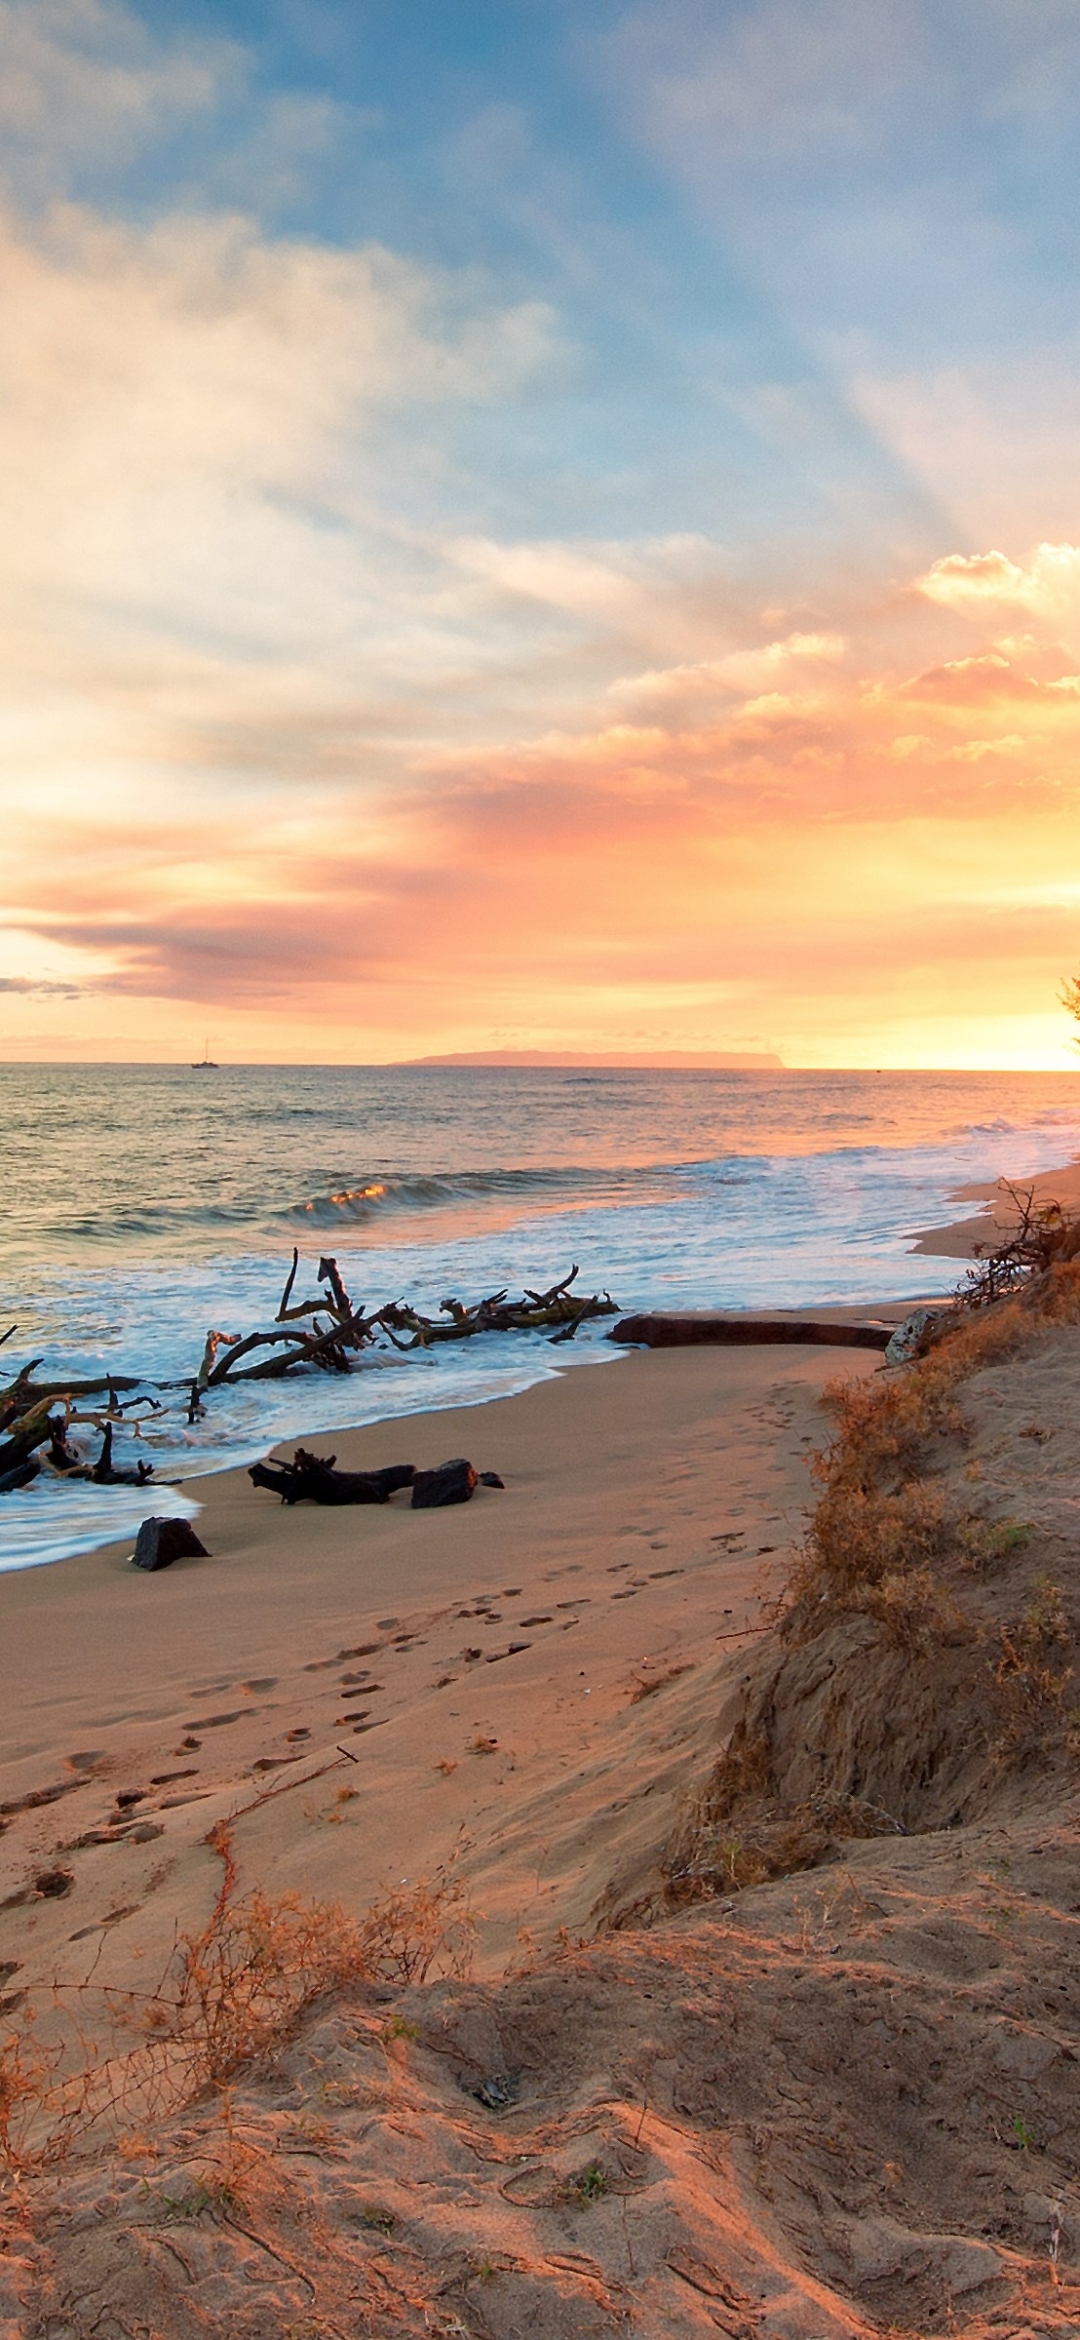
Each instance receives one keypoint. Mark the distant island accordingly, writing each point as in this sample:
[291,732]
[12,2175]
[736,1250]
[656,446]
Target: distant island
[592,1060]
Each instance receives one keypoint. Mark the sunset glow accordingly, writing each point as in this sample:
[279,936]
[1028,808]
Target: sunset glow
[561,534]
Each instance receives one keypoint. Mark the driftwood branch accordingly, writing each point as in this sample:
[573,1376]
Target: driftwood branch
[323,1335]
[1042,1235]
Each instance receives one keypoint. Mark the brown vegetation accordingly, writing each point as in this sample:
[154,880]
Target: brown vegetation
[90,2063]
[921,1651]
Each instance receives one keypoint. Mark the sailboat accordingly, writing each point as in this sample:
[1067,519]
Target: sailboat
[206,1061]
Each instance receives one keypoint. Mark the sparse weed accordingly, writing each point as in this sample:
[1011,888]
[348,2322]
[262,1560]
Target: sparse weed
[398,2028]
[231,1995]
[376,2220]
[204,2201]
[589,2184]
[1030,1674]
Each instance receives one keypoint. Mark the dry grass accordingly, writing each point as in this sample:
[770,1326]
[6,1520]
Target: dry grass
[882,1534]
[1033,1672]
[88,2061]
[890,1542]
[713,1855]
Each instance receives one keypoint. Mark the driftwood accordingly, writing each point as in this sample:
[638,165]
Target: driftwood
[451,1482]
[1042,1236]
[314,1478]
[325,1334]
[736,1332]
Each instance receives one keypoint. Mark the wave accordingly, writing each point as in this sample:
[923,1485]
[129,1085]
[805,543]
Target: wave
[439,1190]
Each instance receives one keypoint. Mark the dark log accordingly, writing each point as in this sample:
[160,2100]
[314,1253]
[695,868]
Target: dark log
[38,1426]
[736,1332]
[21,1476]
[103,1473]
[32,1393]
[161,1541]
[313,1478]
[15,1399]
[328,1274]
[555,1292]
[452,1482]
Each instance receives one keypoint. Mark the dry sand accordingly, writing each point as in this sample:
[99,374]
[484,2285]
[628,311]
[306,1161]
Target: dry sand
[837,2104]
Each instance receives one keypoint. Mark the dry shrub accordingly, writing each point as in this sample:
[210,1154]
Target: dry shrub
[231,1995]
[1032,1672]
[914,1608]
[419,1931]
[710,1858]
[860,1537]
[880,1531]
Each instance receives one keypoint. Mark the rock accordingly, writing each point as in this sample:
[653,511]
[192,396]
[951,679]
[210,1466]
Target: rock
[908,1339]
[491,1479]
[161,1541]
[452,1482]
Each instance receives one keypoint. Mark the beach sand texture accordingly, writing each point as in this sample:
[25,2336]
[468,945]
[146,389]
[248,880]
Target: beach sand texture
[834,2103]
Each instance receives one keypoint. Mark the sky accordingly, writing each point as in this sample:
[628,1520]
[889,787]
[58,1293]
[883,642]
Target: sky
[543,523]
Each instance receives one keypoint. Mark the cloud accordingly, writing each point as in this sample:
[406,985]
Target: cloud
[981,585]
[740,672]
[30,987]
[85,83]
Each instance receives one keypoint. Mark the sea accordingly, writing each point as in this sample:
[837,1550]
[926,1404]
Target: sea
[145,1205]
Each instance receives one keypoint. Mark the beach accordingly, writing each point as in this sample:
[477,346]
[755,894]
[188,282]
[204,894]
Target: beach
[625,2104]
[648,1507]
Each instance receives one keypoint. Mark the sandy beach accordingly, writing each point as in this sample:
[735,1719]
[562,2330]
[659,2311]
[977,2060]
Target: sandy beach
[648,1502]
[630,2114]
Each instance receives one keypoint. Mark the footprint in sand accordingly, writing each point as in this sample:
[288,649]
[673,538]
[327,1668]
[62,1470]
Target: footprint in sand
[85,1759]
[266,1682]
[655,1574]
[217,1722]
[167,1778]
[301,1732]
[363,1649]
[548,1619]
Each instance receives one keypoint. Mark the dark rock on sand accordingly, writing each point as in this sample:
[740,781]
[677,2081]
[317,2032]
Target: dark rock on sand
[161,1541]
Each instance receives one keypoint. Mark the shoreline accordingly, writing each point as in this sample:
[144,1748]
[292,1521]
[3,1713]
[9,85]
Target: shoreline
[186,1484]
[503,1641]
[958,1238]
[638,1510]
